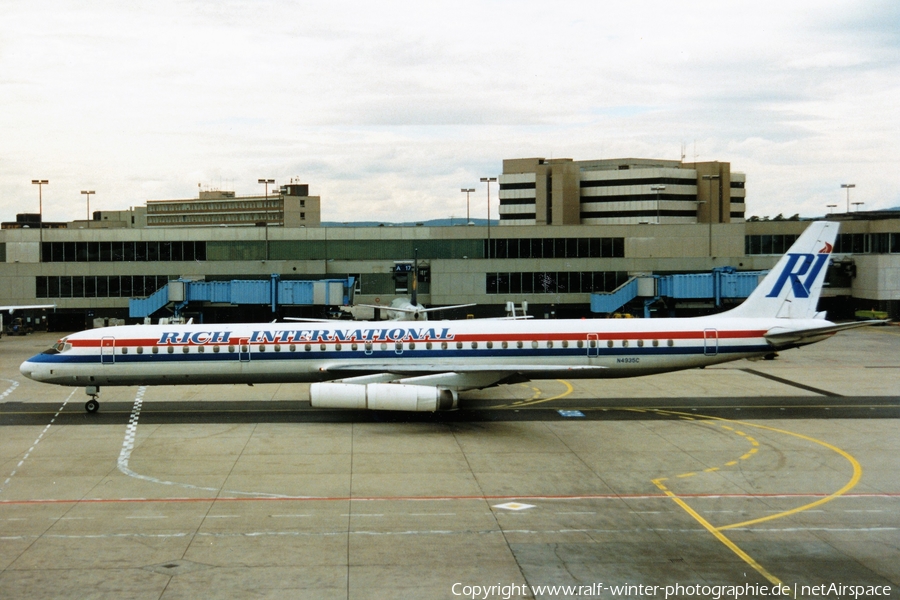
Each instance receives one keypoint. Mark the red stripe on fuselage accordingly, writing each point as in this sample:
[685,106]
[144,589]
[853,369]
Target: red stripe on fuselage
[474,337]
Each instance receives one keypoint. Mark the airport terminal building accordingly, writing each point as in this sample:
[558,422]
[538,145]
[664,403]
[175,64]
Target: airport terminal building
[558,261]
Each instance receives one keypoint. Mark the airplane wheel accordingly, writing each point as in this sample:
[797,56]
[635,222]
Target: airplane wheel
[92,406]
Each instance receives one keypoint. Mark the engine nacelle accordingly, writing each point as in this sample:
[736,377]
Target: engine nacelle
[382,396]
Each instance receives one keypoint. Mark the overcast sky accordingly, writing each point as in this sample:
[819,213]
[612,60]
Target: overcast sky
[387,109]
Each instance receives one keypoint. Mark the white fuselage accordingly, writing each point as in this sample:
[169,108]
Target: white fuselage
[299,352]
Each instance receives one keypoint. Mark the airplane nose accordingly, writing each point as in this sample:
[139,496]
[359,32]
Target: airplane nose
[27,369]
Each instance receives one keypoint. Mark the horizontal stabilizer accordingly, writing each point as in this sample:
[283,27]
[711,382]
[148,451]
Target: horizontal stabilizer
[783,336]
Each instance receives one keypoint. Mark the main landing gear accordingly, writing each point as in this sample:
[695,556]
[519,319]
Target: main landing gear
[92,405]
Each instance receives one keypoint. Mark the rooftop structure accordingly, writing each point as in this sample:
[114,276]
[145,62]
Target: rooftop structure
[561,191]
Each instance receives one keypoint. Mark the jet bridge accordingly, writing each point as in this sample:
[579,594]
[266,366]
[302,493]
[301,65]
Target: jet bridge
[723,283]
[275,292]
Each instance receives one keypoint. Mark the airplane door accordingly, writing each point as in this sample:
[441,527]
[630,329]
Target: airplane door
[593,345]
[710,342]
[244,350]
[107,350]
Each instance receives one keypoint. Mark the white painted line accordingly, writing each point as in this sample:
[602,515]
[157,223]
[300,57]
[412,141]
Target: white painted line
[151,517]
[12,387]
[30,450]
[128,448]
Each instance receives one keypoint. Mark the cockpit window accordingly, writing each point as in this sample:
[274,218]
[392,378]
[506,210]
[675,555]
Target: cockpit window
[60,346]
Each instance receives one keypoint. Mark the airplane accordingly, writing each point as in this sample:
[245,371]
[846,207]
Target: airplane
[423,367]
[402,309]
[14,307]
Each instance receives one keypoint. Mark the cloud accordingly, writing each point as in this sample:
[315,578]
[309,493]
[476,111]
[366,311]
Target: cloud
[387,108]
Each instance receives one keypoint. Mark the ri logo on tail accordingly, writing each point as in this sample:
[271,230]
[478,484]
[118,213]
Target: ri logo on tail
[801,270]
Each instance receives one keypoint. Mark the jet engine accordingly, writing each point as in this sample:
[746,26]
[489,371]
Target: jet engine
[382,396]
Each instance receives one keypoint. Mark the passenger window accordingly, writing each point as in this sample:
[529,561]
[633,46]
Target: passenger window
[670,343]
[140,349]
[640,343]
[277,347]
[231,348]
[550,344]
[216,349]
[307,348]
[519,344]
[337,347]
[490,345]
[534,345]
[624,343]
[155,350]
[505,345]
[170,350]
[201,349]
[185,349]
[124,350]
[609,343]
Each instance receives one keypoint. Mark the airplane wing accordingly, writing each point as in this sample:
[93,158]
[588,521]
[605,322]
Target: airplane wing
[404,309]
[316,320]
[435,376]
[784,336]
[13,308]
[405,368]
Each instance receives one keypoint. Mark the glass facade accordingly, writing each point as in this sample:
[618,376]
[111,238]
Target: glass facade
[554,282]
[99,286]
[846,243]
[122,251]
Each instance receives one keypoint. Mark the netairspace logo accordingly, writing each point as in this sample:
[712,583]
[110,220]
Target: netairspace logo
[714,592]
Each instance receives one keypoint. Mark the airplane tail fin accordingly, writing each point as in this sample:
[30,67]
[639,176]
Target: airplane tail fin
[791,290]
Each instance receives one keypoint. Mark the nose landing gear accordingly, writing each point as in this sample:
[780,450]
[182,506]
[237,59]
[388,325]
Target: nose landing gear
[92,405]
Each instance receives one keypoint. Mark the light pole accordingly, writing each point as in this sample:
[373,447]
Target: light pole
[857,205]
[467,191]
[847,186]
[831,206]
[657,189]
[266,182]
[710,179]
[88,194]
[40,183]
[488,181]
